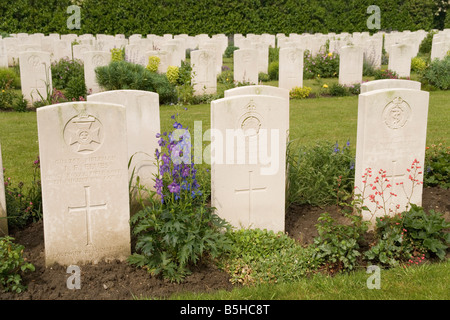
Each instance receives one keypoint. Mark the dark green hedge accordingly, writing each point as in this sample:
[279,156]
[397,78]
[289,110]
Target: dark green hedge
[212,16]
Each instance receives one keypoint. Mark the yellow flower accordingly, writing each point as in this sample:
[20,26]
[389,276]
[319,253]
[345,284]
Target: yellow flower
[3,91]
[330,54]
[325,85]
[318,76]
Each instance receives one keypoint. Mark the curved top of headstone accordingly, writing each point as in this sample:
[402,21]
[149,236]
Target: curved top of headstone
[122,92]
[389,84]
[259,90]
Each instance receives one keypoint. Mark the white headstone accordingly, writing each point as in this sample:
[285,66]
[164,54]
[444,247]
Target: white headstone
[3,55]
[83,158]
[11,45]
[35,75]
[245,66]
[290,68]
[215,47]
[80,49]
[3,220]
[439,49]
[263,56]
[62,49]
[204,72]
[134,53]
[164,59]
[400,56]
[92,60]
[143,123]
[373,48]
[248,148]
[173,55]
[258,90]
[351,65]
[389,84]
[264,91]
[391,134]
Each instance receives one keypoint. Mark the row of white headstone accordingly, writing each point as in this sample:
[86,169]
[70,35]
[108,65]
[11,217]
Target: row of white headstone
[36,75]
[59,46]
[84,149]
[38,51]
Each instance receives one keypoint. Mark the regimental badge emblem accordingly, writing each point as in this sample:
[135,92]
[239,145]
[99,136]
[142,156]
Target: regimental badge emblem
[34,61]
[98,60]
[396,113]
[83,133]
[250,121]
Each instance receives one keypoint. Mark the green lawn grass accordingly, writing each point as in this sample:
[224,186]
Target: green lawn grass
[424,282]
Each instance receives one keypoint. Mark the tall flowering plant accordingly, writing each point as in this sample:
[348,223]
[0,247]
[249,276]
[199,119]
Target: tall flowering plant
[176,181]
[378,190]
[181,229]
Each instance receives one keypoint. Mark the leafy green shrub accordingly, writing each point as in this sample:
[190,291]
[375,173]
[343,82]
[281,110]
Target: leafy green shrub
[438,74]
[117,54]
[274,54]
[354,89]
[172,74]
[390,247]
[179,229]
[385,74]
[12,100]
[76,88]
[319,174]
[64,70]
[12,265]
[368,68]
[264,77]
[324,65]
[226,78]
[184,87]
[262,256]
[184,74]
[170,239]
[300,92]
[338,90]
[409,237]
[153,63]
[437,166]
[273,70]
[229,51]
[425,45]
[427,232]
[125,75]
[9,79]
[24,205]
[68,75]
[418,65]
[337,246]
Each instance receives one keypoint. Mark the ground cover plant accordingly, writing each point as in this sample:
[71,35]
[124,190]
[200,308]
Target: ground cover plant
[178,228]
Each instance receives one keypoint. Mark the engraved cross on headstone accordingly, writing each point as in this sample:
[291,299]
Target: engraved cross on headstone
[88,208]
[393,175]
[250,189]
[39,90]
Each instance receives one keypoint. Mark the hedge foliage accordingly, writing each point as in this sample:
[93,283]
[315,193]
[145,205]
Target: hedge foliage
[211,17]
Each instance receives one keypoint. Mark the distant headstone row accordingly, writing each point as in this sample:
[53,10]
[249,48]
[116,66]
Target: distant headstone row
[38,51]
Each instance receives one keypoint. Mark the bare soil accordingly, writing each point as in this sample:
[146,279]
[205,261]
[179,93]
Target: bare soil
[120,281]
